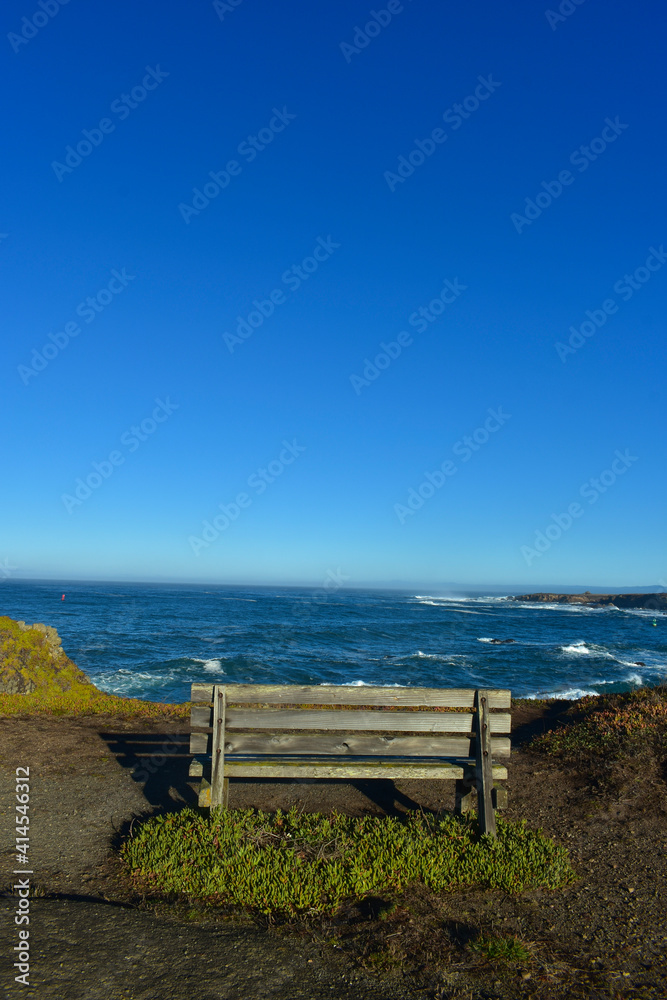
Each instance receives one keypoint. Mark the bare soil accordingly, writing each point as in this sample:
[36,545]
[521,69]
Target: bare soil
[91,936]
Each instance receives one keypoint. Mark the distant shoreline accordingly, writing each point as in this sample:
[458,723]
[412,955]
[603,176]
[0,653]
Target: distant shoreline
[653,602]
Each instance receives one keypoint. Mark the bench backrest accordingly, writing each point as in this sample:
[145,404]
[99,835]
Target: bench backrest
[256,717]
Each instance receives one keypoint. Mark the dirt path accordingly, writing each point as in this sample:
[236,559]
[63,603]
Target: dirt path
[88,782]
[605,936]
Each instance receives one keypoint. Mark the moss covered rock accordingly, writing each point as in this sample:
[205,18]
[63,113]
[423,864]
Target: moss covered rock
[32,659]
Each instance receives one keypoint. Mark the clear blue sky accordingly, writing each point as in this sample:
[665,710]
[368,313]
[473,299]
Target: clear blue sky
[353,213]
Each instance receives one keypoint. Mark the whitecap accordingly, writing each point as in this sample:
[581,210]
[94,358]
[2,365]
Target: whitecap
[572,694]
[484,599]
[210,666]
[357,684]
[581,649]
[485,640]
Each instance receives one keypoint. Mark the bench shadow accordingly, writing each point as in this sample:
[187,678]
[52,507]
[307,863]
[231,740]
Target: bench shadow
[384,793]
[159,763]
[380,791]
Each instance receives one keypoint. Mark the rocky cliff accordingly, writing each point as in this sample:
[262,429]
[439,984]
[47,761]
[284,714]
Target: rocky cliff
[32,658]
[652,602]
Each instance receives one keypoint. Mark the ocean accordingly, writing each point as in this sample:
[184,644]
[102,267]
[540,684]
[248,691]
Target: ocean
[153,641]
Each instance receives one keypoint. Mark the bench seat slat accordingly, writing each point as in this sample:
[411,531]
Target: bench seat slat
[360,745]
[321,694]
[425,722]
[267,742]
[279,768]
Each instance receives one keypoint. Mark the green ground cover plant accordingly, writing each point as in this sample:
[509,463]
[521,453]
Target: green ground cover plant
[88,700]
[500,949]
[308,863]
[612,725]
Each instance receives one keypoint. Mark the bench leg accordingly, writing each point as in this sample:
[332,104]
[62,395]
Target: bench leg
[225,793]
[466,796]
[499,797]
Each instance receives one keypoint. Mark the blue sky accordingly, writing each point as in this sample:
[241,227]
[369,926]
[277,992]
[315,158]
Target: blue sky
[466,185]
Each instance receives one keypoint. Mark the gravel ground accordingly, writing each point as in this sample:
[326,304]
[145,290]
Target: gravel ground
[605,936]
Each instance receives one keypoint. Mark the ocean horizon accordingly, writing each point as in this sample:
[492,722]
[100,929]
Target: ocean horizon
[152,641]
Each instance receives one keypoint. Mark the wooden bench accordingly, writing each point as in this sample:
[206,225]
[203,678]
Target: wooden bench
[290,731]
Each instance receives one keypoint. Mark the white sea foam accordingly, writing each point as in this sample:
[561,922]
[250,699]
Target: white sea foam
[210,666]
[448,605]
[488,599]
[644,612]
[571,694]
[484,640]
[581,649]
[132,683]
[358,684]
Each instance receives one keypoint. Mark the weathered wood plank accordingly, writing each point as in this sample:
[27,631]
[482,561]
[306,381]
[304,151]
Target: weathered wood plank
[218,749]
[327,743]
[201,692]
[425,722]
[201,743]
[484,769]
[320,694]
[325,769]
[201,717]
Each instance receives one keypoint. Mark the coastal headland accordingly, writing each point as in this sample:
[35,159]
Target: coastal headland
[590,774]
[652,602]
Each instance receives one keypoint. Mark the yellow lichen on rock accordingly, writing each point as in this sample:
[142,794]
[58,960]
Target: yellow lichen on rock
[32,659]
